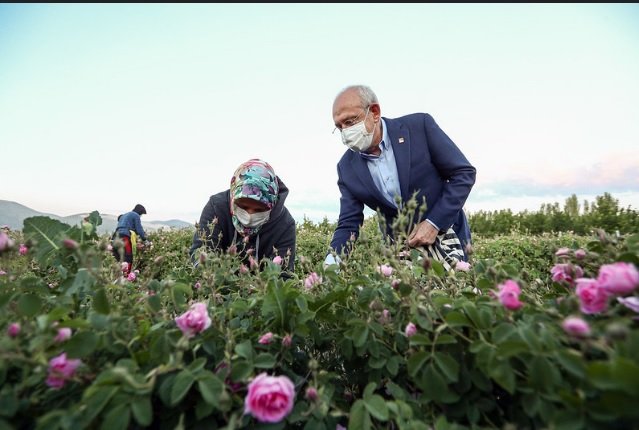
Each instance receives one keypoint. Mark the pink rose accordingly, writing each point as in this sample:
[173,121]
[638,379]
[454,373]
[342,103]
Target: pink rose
[385,270]
[277,260]
[312,280]
[14,329]
[410,329]
[5,241]
[566,272]
[197,286]
[630,302]
[243,269]
[64,333]
[131,276]
[618,278]
[385,318]
[287,340]
[561,252]
[194,321]
[266,338]
[61,370]
[576,326]
[395,283]
[592,298]
[580,254]
[2,272]
[508,294]
[23,249]
[311,394]
[462,266]
[70,244]
[269,398]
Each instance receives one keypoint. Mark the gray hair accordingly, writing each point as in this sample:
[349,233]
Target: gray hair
[366,95]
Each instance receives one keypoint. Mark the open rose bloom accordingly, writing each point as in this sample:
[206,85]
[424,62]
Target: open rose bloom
[270,398]
[508,294]
[61,370]
[194,321]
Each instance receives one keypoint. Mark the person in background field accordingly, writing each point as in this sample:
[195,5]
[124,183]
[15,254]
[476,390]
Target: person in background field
[250,216]
[387,161]
[129,224]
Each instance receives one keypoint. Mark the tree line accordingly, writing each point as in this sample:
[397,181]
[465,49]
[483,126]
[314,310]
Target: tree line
[582,219]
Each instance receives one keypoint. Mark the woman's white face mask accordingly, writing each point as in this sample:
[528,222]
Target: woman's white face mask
[251,220]
[356,137]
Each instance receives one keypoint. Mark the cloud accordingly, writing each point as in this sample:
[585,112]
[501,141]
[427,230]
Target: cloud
[613,174]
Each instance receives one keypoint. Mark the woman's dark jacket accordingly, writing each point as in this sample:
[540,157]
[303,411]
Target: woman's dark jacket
[276,237]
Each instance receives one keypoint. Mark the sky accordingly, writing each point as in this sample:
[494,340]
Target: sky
[103,106]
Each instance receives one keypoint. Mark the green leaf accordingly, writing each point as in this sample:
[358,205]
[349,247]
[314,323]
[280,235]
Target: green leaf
[241,370]
[197,364]
[265,361]
[81,344]
[142,410]
[502,373]
[96,398]
[542,375]
[360,335]
[511,348]
[627,373]
[154,302]
[448,365]
[46,233]
[377,362]
[210,386]
[433,384]
[392,365]
[599,375]
[8,403]
[82,281]
[531,338]
[245,350]
[100,302]
[29,305]
[572,361]
[359,418]
[182,384]
[274,304]
[456,319]
[369,390]
[502,332]
[117,418]
[376,406]
[180,292]
[416,362]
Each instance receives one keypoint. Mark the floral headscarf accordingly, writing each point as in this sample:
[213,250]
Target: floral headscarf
[254,179]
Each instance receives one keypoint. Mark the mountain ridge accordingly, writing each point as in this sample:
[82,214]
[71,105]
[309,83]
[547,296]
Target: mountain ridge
[13,214]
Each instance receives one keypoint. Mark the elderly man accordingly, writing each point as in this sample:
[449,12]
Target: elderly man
[389,161]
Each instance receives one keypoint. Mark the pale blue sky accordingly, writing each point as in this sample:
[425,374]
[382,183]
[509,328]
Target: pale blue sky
[103,106]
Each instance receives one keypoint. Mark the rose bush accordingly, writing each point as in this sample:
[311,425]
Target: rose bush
[411,347]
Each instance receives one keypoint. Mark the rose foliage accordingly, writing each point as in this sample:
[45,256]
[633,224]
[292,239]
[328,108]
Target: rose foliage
[378,341]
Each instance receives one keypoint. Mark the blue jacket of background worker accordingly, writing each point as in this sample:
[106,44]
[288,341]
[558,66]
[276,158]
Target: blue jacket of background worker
[131,221]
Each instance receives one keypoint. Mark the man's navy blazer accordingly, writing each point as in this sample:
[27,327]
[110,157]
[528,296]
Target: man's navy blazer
[428,163]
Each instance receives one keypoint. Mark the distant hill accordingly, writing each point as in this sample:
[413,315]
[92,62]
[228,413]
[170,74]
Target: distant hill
[13,214]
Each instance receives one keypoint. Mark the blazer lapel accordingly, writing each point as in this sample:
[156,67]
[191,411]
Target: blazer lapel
[361,168]
[401,149]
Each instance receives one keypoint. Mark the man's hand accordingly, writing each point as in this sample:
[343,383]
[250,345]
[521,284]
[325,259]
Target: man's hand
[423,234]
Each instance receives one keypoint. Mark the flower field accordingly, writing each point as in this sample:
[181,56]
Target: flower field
[536,332]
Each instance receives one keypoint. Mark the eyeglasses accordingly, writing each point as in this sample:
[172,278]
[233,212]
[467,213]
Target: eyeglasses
[351,121]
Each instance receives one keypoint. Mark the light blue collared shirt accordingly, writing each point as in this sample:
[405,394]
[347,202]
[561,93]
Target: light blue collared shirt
[384,169]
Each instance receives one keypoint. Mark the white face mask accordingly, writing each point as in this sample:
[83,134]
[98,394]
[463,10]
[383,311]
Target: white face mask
[356,137]
[251,220]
